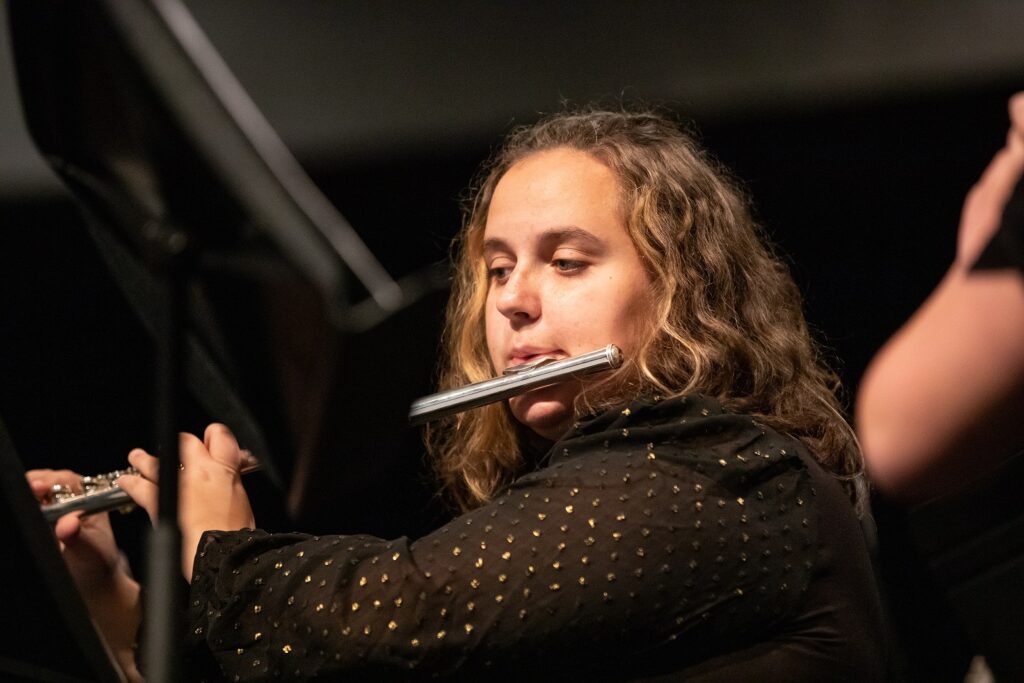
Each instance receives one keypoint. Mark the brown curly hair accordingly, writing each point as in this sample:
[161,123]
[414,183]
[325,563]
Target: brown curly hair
[727,318]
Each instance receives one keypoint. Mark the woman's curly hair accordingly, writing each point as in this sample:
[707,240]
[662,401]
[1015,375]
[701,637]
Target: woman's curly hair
[726,319]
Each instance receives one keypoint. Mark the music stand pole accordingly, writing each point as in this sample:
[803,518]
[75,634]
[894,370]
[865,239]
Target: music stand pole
[162,614]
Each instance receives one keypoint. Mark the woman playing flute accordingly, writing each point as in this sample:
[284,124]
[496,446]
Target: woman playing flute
[693,513]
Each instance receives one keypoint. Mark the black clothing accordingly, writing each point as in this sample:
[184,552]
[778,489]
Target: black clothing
[1006,248]
[660,537]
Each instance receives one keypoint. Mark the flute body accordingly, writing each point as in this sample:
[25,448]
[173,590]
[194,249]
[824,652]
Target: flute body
[516,380]
[102,494]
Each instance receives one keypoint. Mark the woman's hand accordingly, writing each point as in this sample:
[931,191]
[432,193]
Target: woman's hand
[211,495]
[97,567]
[87,542]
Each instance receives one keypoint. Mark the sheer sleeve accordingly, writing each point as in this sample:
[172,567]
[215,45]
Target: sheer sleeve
[653,530]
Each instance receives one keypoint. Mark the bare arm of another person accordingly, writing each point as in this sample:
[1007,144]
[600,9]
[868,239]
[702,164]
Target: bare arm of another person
[943,399]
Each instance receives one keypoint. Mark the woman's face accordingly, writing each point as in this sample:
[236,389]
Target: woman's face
[565,277]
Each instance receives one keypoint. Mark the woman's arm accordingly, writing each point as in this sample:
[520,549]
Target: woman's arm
[943,399]
[636,541]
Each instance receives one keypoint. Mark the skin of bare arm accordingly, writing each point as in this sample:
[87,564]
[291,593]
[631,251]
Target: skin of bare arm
[943,398]
[98,569]
[211,493]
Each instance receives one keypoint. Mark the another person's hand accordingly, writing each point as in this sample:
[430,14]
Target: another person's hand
[99,570]
[941,402]
[984,204]
[211,494]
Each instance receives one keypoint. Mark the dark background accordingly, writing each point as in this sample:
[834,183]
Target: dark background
[856,127]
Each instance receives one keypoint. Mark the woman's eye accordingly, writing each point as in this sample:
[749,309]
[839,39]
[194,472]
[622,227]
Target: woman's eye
[568,265]
[498,272]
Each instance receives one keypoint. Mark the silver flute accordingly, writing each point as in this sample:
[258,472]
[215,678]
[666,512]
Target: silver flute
[516,380]
[100,493]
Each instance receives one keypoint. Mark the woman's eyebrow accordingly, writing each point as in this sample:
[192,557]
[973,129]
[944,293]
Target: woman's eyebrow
[551,238]
[571,233]
[494,244]
[588,241]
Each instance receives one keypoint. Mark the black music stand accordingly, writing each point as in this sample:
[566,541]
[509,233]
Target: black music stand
[47,632]
[181,177]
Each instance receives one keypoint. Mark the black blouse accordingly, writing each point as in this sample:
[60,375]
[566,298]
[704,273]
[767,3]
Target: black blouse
[663,537]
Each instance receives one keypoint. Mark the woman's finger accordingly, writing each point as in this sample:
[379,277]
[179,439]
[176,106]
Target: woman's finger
[68,527]
[42,488]
[191,450]
[146,464]
[222,445]
[42,482]
[142,491]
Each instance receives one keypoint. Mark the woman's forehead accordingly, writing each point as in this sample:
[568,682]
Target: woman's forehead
[554,188]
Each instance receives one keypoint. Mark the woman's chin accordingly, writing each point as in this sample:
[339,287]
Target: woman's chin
[547,417]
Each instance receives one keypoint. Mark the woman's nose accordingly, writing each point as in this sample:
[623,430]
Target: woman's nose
[520,300]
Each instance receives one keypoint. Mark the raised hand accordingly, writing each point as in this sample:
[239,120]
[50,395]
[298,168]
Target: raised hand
[986,200]
[211,493]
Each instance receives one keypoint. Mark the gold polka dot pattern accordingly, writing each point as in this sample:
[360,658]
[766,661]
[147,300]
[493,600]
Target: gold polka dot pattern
[668,524]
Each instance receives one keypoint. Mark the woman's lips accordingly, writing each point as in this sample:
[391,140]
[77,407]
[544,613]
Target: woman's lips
[520,357]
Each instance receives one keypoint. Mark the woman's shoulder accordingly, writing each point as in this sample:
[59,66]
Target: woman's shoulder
[691,432]
[758,518]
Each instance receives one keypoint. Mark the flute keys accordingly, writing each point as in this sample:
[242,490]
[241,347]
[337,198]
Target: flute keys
[61,492]
[102,482]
